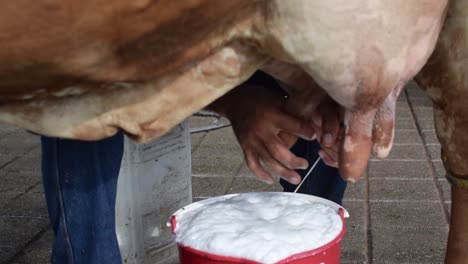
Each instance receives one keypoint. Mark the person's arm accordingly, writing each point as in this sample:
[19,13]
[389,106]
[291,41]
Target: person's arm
[257,117]
[266,131]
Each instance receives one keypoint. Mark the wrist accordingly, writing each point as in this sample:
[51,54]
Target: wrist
[223,105]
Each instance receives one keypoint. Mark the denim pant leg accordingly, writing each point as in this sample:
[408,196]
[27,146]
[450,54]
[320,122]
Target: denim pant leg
[324,181]
[80,183]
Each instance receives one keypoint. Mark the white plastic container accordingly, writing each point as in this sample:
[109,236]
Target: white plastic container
[154,181]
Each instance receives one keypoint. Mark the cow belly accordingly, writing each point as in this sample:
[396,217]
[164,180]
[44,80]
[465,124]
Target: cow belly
[144,110]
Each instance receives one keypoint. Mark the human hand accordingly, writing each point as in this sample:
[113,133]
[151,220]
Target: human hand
[329,130]
[308,101]
[261,126]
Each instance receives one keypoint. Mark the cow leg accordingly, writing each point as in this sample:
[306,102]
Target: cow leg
[458,236]
[448,89]
[445,78]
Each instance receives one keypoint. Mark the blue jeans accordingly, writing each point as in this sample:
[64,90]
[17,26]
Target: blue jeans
[80,182]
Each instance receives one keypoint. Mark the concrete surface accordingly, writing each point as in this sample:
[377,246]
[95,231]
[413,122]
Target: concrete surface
[399,210]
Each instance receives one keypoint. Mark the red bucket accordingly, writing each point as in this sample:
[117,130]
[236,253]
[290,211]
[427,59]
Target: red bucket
[329,253]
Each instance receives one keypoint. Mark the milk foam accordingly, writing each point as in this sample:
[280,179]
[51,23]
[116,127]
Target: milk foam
[265,227]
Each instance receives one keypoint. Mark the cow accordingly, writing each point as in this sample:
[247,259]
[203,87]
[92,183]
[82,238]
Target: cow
[445,80]
[86,69]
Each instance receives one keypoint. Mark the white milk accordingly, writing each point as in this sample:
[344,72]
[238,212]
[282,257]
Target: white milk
[265,227]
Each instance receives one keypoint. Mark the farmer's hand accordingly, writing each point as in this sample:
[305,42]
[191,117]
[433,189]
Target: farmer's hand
[265,131]
[322,111]
[329,130]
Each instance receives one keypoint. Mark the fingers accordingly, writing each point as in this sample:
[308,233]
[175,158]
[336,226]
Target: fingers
[284,156]
[356,148]
[330,123]
[276,156]
[383,130]
[288,140]
[329,157]
[296,126]
[278,168]
[253,163]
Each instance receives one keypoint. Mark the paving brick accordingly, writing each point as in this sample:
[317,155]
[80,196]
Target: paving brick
[17,231]
[6,197]
[37,252]
[403,108]
[425,124]
[448,205]
[6,158]
[434,152]
[412,89]
[404,112]
[30,162]
[252,184]
[399,169]
[406,190]
[411,152]
[221,137]
[408,245]
[402,98]
[18,181]
[402,103]
[423,113]
[196,140]
[171,260]
[445,186]
[210,186]
[418,96]
[355,191]
[6,253]
[430,136]
[405,124]
[37,189]
[407,137]
[6,129]
[18,143]
[29,204]
[245,171]
[35,255]
[216,161]
[353,247]
[356,212]
[439,169]
[421,102]
[407,214]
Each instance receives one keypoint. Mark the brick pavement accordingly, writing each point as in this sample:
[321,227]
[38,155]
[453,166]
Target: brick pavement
[399,210]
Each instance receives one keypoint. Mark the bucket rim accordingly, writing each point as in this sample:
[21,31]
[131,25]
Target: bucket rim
[197,204]
[340,210]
